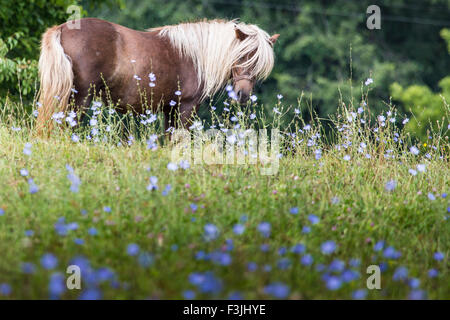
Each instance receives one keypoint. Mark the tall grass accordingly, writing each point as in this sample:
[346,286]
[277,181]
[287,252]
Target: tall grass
[107,196]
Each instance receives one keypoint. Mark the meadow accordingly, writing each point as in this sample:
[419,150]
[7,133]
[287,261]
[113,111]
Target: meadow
[108,197]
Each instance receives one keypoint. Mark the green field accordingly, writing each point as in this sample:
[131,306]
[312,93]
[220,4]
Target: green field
[309,231]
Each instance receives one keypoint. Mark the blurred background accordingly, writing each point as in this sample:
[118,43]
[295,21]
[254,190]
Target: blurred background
[323,45]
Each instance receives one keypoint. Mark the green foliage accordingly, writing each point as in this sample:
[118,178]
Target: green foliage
[17,75]
[22,23]
[427,107]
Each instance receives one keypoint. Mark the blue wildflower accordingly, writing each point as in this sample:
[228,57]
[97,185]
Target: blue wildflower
[211,232]
[56,286]
[264,229]
[433,273]
[390,185]
[293,210]
[328,247]
[145,259]
[49,261]
[401,273]
[277,290]
[78,241]
[252,266]
[298,248]
[307,260]
[235,295]
[284,263]
[417,295]
[5,289]
[414,283]
[28,268]
[91,294]
[336,266]
[391,253]
[313,219]
[349,275]
[221,258]
[438,256]
[306,229]
[359,294]
[189,294]
[378,246]
[334,283]
[132,249]
[354,263]
[238,229]
[92,231]
[33,188]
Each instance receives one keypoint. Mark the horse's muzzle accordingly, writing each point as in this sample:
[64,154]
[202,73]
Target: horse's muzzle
[242,97]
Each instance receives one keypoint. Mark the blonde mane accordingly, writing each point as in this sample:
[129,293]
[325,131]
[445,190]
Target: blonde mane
[215,50]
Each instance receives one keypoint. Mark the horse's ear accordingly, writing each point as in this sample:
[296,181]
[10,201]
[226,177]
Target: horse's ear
[274,38]
[239,34]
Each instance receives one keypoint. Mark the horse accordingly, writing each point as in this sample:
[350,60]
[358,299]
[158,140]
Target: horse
[177,66]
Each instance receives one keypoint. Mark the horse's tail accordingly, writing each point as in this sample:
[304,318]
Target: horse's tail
[56,77]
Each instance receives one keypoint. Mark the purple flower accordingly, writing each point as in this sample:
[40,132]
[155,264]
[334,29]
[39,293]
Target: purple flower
[328,247]
[293,210]
[306,229]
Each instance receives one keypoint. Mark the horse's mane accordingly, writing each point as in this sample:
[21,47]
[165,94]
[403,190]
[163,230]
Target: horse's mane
[214,49]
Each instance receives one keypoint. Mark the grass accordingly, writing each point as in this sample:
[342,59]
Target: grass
[187,244]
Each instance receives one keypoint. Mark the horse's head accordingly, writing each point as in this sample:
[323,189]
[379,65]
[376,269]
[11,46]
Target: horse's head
[243,81]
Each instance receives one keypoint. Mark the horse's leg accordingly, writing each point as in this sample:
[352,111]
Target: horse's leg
[83,99]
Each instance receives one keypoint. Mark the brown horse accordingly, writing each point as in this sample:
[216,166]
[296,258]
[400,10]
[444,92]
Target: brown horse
[176,66]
